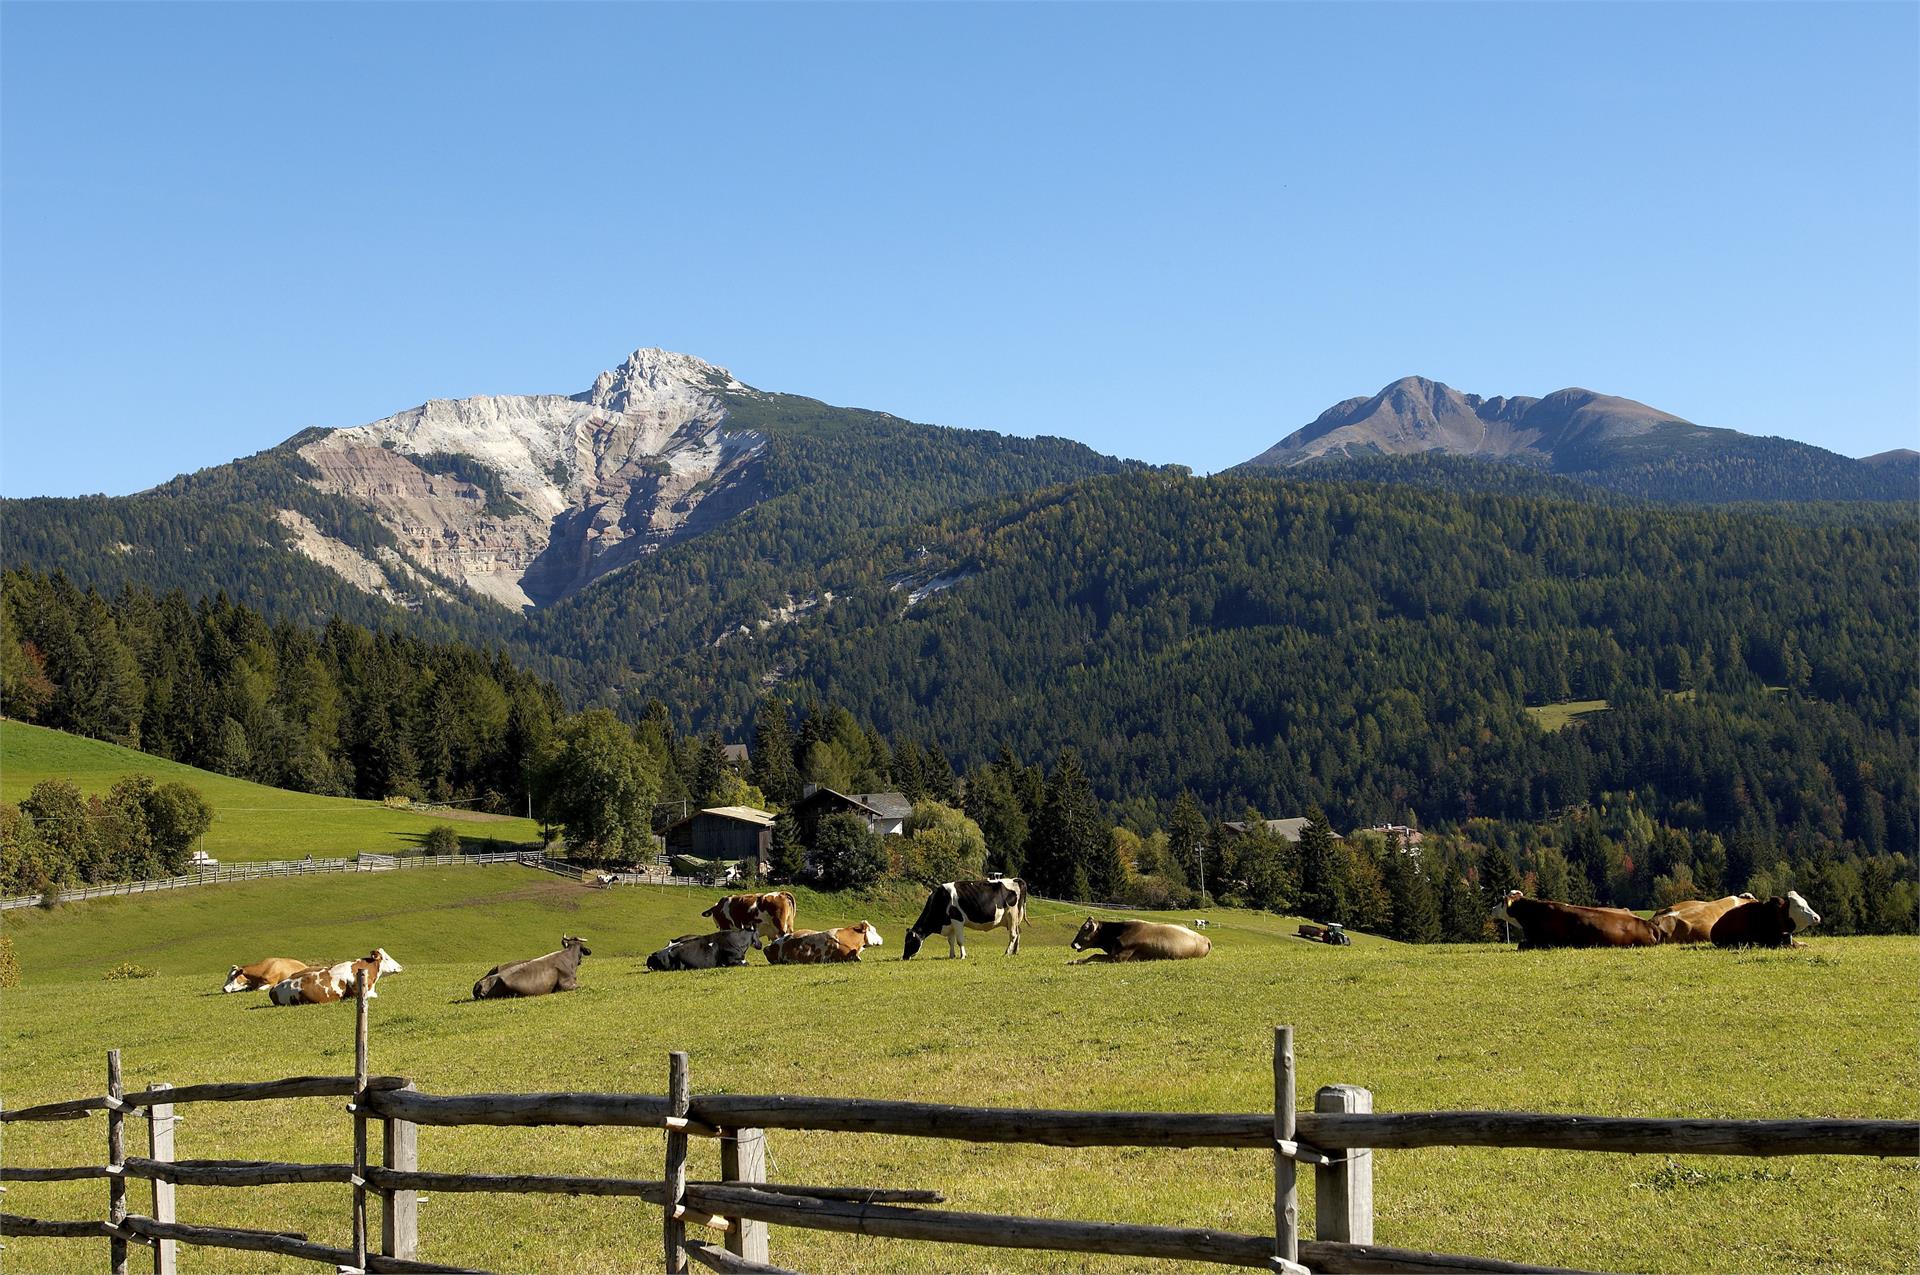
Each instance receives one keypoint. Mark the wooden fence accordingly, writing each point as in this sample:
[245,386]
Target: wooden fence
[1336,1140]
[268,869]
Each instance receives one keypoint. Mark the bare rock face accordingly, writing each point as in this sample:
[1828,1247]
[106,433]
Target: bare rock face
[528,498]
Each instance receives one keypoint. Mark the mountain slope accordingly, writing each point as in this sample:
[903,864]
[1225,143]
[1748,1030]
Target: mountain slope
[461,512]
[1367,646]
[1596,438]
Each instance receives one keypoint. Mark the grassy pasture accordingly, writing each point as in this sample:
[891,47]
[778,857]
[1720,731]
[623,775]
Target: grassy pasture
[1825,1031]
[1551,717]
[251,821]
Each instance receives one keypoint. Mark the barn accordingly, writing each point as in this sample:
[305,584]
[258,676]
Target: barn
[730,834]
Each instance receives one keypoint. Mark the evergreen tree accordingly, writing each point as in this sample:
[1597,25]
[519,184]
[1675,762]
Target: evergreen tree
[992,803]
[789,857]
[1415,913]
[1187,838]
[1323,885]
[1069,853]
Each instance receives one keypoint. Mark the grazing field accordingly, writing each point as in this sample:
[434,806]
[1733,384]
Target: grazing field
[1662,1032]
[250,821]
[1560,716]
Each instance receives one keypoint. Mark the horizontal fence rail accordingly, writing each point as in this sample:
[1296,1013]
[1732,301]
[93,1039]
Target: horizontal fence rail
[1614,1134]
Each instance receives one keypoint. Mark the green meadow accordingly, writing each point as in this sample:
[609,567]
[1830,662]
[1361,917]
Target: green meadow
[251,821]
[1827,1031]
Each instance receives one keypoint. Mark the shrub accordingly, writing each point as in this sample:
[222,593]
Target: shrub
[9,963]
[441,839]
[847,855]
[127,969]
[50,897]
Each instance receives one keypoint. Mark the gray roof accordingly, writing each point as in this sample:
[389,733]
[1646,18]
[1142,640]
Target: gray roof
[1287,829]
[888,805]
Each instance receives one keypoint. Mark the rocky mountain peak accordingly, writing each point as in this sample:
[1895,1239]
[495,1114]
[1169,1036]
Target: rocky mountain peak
[651,376]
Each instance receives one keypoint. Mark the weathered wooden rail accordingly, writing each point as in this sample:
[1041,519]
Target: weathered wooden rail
[1337,1140]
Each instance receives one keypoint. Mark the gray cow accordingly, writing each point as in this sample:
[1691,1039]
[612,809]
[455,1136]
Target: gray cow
[554,972]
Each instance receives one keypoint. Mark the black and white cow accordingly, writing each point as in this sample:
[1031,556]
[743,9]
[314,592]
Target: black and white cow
[705,951]
[959,906]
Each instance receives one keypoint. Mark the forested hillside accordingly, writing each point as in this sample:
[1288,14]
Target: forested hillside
[1367,647]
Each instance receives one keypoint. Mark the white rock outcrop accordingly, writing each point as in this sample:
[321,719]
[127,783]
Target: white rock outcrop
[585,483]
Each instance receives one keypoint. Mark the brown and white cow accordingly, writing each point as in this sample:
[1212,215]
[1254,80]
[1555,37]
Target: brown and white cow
[263,973]
[822,947]
[772,914]
[1691,920]
[1544,923]
[1140,941]
[322,985]
[1765,922]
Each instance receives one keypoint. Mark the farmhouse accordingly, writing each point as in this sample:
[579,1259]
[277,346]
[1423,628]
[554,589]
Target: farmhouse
[884,812]
[737,756]
[725,834]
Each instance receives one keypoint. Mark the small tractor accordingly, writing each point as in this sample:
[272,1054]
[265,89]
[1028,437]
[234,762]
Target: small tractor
[1335,934]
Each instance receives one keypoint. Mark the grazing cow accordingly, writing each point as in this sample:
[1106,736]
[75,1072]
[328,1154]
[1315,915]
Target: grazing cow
[263,973]
[705,951]
[1765,922]
[327,983]
[959,906]
[771,914]
[821,947]
[1140,941]
[554,972]
[1691,920]
[1544,923]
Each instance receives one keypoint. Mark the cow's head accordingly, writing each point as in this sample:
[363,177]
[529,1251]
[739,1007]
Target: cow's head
[381,962]
[234,982]
[910,945]
[1500,912]
[665,959]
[869,934]
[1799,915]
[574,940]
[1084,939]
[717,908]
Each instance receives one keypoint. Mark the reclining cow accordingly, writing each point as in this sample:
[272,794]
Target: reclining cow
[1691,920]
[554,972]
[264,973]
[322,985]
[1545,924]
[772,914]
[823,947]
[1139,941]
[1765,922]
[705,951]
[958,906]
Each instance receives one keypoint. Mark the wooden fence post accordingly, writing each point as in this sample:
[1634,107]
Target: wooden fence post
[360,1120]
[400,1210]
[116,1164]
[1343,1191]
[1286,1201]
[743,1159]
[674,1227]
[160,1121]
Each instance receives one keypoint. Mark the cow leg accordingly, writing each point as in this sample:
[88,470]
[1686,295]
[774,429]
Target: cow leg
[1013,939]
[958,937]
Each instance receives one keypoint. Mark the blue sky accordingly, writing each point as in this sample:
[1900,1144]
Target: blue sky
[1175,233]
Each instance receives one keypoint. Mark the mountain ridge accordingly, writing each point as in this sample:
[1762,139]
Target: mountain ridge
[1603,439]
